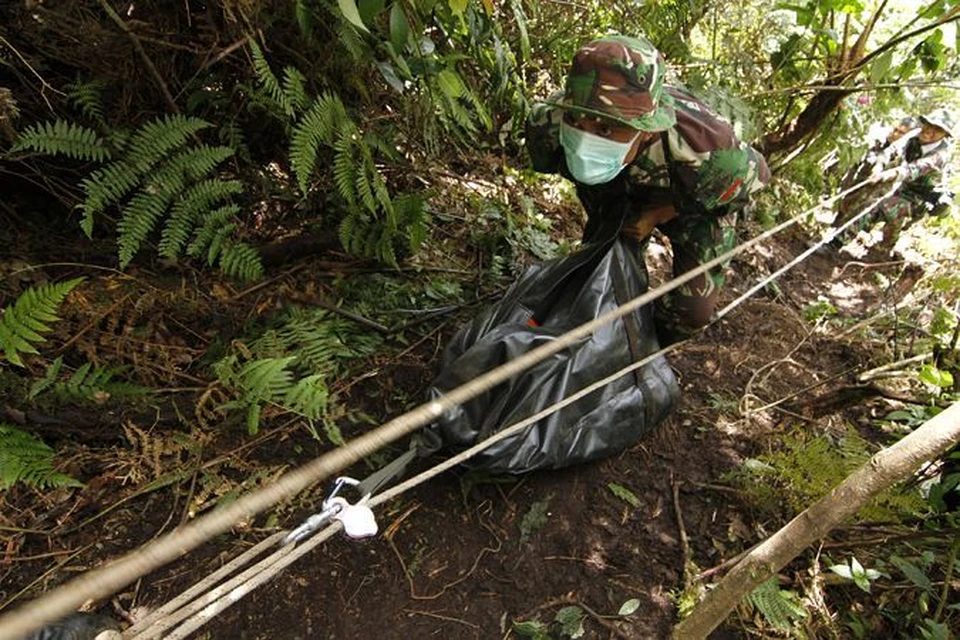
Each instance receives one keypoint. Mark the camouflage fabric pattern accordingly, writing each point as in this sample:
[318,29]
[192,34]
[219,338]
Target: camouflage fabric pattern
[898,203]
[619,78]
[713,174]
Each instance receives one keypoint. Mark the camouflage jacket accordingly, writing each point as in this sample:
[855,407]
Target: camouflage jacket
[923,169]
[705,169]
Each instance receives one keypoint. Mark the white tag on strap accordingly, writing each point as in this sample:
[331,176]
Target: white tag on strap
[357,519]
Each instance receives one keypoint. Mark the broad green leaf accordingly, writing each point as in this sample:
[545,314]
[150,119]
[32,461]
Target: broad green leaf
[399,27]
[842,570]
[570,620]
[370,9]
[521,19]
[458,7]
[349,10]
[936,377]
[531,629]
[390,75]
[629,607]
[880,67]
[913,573]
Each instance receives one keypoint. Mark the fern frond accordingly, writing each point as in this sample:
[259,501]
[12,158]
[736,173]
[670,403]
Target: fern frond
[294,89]
[780,608]
[240,260]
[189,209]
[348,230]
[62,138]
[25,458]
[317,341]
[269,80]
[88,383]
[105,187]
[22,322]
[364,189]
[194,163]
[138,219]
[214,224]
[266,378]
[308,397]
[87,98]
[157,138]
[345,168]
[410,216]
[231,134]
[220,239]
[97,384]
[318,125]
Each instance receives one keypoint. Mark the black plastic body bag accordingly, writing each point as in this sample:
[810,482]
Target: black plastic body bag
[548,300]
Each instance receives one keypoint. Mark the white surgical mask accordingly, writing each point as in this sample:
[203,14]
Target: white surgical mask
[593,159]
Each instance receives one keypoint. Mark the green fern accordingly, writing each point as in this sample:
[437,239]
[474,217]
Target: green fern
[308,397]
[162,182]
[88,383]
[62,138]
[158,138]
[22,322]
[288,366]
[806,468]
[24,458]
[241,261]
[87,98]
[780,608]
[318,126]
[105,187]
[267,78]
[190,209]
[212,233]
[295,90]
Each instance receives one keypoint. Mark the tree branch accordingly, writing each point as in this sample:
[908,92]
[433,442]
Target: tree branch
[883,470]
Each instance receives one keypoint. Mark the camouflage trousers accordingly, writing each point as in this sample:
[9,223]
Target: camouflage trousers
[896,210]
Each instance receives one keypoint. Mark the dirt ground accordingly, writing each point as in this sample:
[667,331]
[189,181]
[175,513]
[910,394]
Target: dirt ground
[461,558]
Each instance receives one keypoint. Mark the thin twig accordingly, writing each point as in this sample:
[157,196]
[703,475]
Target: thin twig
[144,57]
[43,82]
[684,540]
[430,614]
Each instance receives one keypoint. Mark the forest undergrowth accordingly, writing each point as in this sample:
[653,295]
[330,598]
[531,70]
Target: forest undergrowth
[238,234]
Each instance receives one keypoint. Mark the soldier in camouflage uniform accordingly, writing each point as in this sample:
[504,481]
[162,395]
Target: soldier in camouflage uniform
[632,144]
[920,158]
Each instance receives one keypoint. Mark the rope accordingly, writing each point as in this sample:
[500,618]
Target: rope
[205,609]
[103,581]
[803,256]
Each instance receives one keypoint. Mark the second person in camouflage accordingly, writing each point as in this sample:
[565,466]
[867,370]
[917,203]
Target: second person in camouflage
[632,144]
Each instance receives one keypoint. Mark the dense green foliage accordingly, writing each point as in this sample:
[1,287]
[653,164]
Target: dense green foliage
[381,123]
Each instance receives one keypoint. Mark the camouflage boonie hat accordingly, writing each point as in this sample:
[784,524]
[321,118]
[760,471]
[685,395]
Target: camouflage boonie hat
[943,119]
[620,78]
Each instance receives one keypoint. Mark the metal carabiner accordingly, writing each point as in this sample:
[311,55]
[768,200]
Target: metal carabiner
[357,519]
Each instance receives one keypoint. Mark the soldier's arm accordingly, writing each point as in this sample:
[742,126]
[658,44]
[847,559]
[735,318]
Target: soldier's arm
[926,165]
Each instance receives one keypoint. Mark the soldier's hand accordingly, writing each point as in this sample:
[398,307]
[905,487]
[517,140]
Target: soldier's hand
[640,228]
